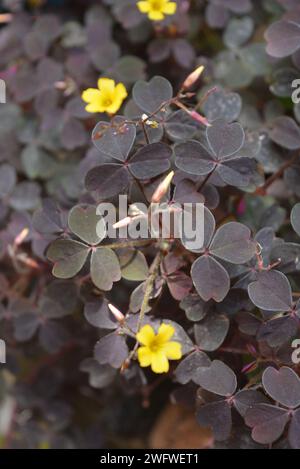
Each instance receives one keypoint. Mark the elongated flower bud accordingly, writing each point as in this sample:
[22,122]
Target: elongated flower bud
[192,78]
[116,313]
[162,189]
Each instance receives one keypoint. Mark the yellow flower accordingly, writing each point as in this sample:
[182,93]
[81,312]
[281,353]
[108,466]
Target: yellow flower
[157,349]
[157,9]
[108,97]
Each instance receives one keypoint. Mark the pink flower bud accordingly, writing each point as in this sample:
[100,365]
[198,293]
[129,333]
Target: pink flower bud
[192,78]
[116,313]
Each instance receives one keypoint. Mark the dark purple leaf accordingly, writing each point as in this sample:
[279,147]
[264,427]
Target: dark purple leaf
[107,180]
[285,132]
[194,158]
[186,369]
[225,139]
[268,422]
[216,416]
[218,379]
[294,431]
[232,243]
[99,315]
[210,333]
[245,399]
[210,278]
[150,161]
[271,291]
[283,386]
[152,95]
[283,38]
[111,349]
[114,140]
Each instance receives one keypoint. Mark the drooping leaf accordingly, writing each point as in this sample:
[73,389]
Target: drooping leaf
[105,268]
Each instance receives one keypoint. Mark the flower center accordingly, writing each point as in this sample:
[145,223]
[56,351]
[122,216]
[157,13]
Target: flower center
[107,102]
[155,346]
[156,5]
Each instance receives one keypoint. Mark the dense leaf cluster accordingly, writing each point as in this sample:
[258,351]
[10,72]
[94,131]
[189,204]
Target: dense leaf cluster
[232,138]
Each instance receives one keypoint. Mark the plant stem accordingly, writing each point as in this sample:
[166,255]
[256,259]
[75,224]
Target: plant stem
[262,190]
[128,243]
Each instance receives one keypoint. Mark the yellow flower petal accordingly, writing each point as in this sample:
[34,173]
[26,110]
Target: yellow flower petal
[114,107]
[173,350]
[145,335]
[159,363]
[144,6]
[144,356]
[91,95]
[93,107]
[156,15]
[106,85]
[169,8]
[120,91]
[165,332]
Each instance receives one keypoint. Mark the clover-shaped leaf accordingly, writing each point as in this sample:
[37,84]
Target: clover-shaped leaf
[114,140]
[111,349]
[285,132]
[232,243]
[283,38]
[111,178]
[222,105]
[185,371]
[150,96]
[282,386]
[86,224]
[219,155]
[271,291]
[69,256]
[267,421]
[210,278]
[225,139]
[218,378]
[210,333]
